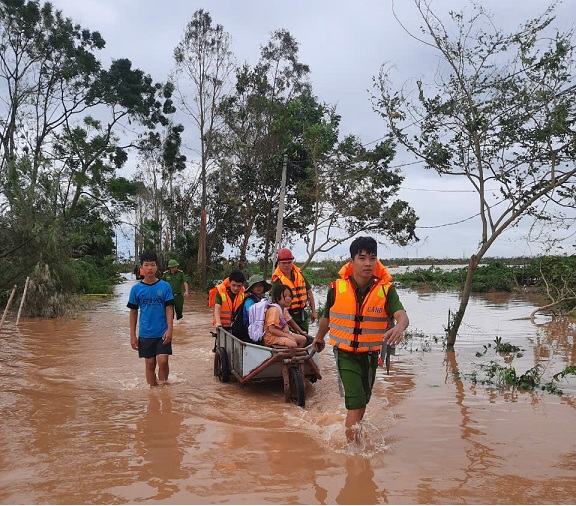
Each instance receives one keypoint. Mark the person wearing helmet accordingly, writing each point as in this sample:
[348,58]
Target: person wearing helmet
[177,280]
[288,274]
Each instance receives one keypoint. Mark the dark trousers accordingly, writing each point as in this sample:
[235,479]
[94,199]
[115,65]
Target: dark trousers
[178,305]
[300,316]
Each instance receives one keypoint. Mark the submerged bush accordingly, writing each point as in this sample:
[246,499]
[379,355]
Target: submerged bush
[45,297]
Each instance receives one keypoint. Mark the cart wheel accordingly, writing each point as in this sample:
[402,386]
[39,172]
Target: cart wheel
[297,393]
[221,366]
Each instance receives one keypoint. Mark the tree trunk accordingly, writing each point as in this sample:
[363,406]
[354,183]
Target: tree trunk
[243,248]
[201,263]
[465,297]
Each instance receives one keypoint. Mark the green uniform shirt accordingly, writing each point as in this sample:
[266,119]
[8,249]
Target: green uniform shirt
[218,299]
[392,300]
[176,280]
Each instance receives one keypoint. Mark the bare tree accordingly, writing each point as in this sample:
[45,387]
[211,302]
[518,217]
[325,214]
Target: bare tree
[501,113]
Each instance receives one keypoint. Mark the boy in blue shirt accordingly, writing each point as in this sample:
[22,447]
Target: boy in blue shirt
[153,298]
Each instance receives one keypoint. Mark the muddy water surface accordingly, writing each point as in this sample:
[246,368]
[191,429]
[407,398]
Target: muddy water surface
[79,424]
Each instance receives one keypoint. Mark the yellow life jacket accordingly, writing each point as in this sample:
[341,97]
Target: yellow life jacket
[298,286]
[356,327]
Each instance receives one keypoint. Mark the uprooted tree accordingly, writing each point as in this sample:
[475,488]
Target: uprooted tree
[558,277]
[499,113]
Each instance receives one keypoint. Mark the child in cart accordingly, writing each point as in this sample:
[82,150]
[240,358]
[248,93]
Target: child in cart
[276,323]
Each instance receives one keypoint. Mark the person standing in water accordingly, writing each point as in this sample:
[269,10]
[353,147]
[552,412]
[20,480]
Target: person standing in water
[177,280]
[359,309]
[153,299]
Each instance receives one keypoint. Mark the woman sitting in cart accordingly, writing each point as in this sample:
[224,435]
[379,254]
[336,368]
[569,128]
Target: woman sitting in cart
[276,329]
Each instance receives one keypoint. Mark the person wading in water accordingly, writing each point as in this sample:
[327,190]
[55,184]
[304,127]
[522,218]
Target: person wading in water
[153,299]
[358,313]
[177,280]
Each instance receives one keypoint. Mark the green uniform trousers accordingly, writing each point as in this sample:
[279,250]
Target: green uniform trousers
[178,305]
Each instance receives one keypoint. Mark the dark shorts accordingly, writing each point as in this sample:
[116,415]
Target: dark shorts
[149,348]
[357,373]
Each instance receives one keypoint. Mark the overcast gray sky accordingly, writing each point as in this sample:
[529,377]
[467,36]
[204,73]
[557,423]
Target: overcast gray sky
[344,43]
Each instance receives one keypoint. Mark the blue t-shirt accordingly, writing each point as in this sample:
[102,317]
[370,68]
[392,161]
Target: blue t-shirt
[151,301]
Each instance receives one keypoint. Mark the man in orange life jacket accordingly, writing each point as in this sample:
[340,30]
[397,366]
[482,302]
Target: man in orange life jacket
[228,299]
[288,274]
[358,313]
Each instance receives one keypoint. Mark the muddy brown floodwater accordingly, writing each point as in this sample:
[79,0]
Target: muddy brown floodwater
[79,424]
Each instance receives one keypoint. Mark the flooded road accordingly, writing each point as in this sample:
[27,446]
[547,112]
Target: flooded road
[80,425]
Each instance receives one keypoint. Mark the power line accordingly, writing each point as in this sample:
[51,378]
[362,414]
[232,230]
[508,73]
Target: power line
[460,221]
[444,191]
[405,164]
[449,224]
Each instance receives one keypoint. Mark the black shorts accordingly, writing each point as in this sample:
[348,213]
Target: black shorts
[149,348]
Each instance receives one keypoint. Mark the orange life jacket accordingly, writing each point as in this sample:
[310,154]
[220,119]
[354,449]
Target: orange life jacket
[214,290]
[356,327]
[298,286]
[228,306]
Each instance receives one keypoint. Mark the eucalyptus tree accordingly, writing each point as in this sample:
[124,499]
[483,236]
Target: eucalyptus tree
[55,92]
[499,114]
[204,64]
[159,212]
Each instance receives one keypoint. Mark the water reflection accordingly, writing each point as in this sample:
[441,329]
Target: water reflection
[157,434]
[481,458]
[359,487]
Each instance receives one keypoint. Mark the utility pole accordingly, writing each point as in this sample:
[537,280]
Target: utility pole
[280,219]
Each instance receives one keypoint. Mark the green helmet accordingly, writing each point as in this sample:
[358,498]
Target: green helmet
[173,263]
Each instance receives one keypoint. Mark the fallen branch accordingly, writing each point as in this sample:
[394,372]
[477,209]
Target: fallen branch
[548,306]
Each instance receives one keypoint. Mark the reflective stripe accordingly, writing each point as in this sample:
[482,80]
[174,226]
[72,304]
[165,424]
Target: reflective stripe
[358,326]
[345,316]
[298,287]
[364,345]
[228,306]
[362,331]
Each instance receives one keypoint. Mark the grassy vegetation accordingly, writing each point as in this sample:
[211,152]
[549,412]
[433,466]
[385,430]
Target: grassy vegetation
[89,275]
[497,275]
[494,373]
